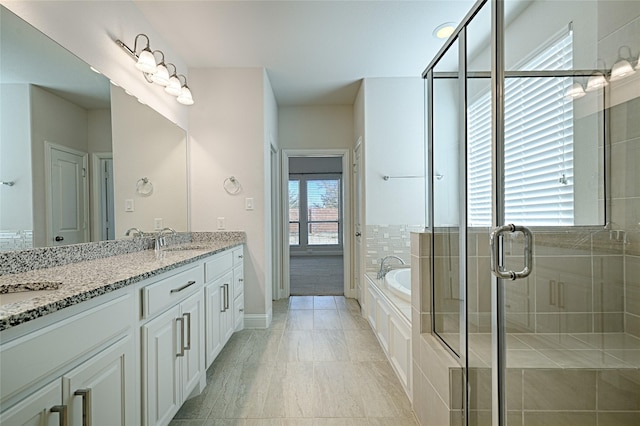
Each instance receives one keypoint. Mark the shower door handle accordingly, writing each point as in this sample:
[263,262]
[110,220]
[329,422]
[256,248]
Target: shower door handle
[498,269]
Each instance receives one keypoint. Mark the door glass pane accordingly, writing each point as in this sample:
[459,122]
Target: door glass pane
[323,211]
[446,145]
[479,210]
[322,233]
[294,212]
[571,325]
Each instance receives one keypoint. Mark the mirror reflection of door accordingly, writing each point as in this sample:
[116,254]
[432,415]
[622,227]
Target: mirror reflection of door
[67,208]
[107,221]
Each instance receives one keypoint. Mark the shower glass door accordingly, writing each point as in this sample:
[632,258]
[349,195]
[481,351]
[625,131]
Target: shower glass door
[532,124]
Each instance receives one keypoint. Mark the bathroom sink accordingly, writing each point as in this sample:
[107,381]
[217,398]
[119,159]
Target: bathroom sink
[185,247]
[12,293]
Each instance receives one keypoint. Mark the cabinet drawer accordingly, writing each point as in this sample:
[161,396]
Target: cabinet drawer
[238,256]
[238,281]
[169,291]
[23,362]
[217,266]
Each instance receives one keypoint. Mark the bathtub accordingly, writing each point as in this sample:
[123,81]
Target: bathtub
[399,282]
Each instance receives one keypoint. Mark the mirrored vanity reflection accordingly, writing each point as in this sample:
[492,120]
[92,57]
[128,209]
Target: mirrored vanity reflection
[80,160]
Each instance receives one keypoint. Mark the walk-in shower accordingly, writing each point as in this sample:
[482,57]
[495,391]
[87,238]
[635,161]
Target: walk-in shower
[532,121]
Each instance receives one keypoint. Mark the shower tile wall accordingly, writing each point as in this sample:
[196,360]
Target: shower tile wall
[385,240]
[577,284]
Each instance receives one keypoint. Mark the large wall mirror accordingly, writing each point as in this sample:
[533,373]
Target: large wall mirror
[80,160]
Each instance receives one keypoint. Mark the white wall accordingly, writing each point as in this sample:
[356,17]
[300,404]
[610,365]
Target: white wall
[228,131]
[15,158]
[145,144]
[61,122]
[394,126]
[316,127]
[88,29]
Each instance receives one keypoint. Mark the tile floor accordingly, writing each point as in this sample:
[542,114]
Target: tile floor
[318,364]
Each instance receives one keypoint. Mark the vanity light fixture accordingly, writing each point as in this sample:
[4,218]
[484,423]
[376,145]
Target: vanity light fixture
[622,68]
[158,72]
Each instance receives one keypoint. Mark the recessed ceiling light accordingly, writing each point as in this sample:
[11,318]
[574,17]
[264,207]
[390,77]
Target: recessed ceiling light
[444,30]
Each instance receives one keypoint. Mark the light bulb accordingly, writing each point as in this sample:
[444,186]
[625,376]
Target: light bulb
[146,62]
[174,87]
[161,76]
[595,82]
[185,97]
[575,91]
[621,69]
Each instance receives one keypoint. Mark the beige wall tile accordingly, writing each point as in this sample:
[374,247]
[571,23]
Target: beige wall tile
[618,419]
[560,390]
[619,390]
[559,418]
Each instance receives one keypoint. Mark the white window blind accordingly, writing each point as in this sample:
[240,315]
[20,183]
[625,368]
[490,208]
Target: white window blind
[538,146]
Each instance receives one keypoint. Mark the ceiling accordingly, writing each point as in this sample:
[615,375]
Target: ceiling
[315,52]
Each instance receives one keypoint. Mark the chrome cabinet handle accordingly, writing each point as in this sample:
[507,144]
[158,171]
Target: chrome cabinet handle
[86,405]
[560,295]
[241,279]
[177,290]
[240,256]
[497,269]
[222,298]
[181,319]
[62,411]
[226,297]
[188,315]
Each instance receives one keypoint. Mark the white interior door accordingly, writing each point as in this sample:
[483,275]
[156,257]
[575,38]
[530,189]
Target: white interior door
[67,196]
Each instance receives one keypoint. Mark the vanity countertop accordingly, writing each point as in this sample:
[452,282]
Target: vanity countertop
[67,285]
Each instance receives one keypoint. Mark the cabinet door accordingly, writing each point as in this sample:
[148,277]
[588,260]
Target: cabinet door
[101,390]
[35,410]
[214,306]
[193,337]
[226,314]
[238,313]
[160,370]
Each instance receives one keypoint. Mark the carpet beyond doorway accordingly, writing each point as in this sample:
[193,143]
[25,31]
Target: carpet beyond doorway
[316,276]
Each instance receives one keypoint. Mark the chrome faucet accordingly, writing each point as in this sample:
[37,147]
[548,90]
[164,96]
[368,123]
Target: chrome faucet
[160,241]
[383,270]
[135,230]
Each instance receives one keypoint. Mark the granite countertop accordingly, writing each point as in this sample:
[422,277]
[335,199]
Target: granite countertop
[67,285]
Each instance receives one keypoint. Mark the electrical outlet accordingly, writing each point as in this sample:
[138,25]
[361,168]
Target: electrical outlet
[128,205]
[157,223]
[248,203]
[221,223]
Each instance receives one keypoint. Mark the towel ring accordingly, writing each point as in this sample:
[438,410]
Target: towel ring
[232,185]
[144,187]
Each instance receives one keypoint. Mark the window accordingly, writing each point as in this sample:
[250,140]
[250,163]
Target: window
[315,211]
[538,146]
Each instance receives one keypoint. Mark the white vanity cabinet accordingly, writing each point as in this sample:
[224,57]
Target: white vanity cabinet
[79,369]
[172,344]
[224,295]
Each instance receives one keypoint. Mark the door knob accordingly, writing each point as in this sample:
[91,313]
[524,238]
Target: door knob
[358,234]
[59,238]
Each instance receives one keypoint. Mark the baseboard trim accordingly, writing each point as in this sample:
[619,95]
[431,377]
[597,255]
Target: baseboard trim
[257,320]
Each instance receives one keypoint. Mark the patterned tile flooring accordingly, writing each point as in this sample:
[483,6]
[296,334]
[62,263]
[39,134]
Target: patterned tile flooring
[318,364]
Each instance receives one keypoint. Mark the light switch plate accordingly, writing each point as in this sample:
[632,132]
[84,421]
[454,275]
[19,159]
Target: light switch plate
[128,205]
[221,223]
[248,203]
[157,223]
